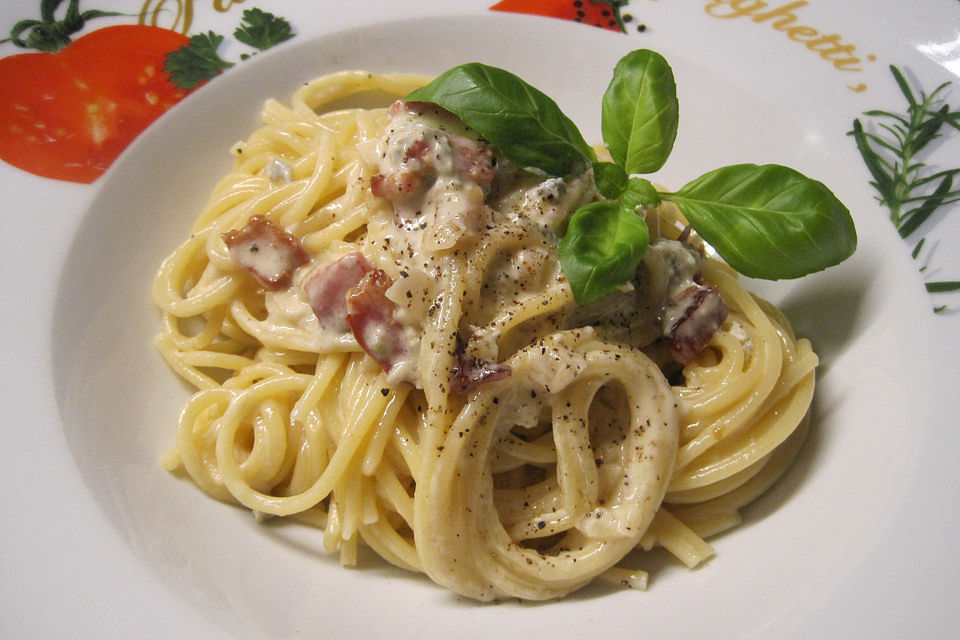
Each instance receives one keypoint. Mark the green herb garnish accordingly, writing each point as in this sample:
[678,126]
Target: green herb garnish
[524,123]
[640,112]
[610,179]
[197,61]
[766,221]
[603,246]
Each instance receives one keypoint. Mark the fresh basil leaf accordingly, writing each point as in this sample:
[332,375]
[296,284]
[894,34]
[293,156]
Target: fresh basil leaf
[768,221]
[523,123]
[610,179]
[601,249]
[640,112]
[639,193]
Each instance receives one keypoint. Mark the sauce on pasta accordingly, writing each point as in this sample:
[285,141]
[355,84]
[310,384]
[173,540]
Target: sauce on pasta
[384,346]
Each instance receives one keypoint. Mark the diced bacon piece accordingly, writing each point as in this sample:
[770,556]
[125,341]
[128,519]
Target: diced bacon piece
[371,316]
[266,251]
[395,185]
[414,106]
[418,150]
[327,289]
[473,160]
[407,178]
[469,373]
[698,311]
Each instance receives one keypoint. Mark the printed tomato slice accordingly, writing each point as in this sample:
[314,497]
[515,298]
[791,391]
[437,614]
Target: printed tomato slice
[125,63]
[68,115]
[50,128]
[598,13]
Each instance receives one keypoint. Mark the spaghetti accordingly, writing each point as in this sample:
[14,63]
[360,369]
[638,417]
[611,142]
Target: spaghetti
[469,421]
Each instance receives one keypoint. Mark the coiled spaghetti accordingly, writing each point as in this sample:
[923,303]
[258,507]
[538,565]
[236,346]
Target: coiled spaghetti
[527,486]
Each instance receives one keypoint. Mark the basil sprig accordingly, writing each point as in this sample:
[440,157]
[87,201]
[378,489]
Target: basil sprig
[766,221]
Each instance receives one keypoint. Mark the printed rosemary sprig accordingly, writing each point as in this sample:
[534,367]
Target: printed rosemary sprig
[909,192]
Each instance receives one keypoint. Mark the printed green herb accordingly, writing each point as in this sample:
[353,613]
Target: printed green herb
[766,221]
[943,286]
[901,180]
[262,30]
[49,33]
[916,250]
[908,190]
[197,61]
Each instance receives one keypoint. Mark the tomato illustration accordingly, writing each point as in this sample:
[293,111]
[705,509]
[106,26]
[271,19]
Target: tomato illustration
[67,113]
[599,13]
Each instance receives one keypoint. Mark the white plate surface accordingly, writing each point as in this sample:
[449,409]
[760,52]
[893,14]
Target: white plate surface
[856,540]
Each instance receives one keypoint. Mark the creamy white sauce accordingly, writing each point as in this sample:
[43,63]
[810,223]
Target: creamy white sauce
[289,310]
[451,208]
[524,265]
[738,332]
[549,203]
[405,367]
[268,259]
[290,307]
[557,365]
[683,264]
[447,211]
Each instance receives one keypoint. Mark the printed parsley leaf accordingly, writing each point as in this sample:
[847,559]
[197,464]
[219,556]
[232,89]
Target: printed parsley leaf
[197,61]
[262,30]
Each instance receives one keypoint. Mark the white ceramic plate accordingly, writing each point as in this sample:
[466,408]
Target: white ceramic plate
[856,541]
